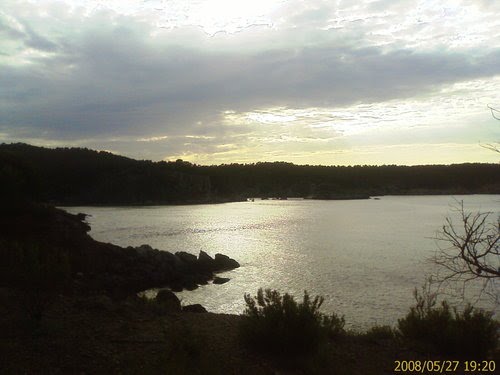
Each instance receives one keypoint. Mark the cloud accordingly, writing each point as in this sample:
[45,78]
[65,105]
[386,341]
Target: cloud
[73,75]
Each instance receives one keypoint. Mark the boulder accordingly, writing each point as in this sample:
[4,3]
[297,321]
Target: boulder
[176,286]
[186,257]
[202,278]
[223,262]
[205,263]
[189,283]
[172,259]
[196,308]
[169,300]
[204,257]
[220,280]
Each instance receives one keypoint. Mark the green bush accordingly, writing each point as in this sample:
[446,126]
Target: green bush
[278,324]
[470,333]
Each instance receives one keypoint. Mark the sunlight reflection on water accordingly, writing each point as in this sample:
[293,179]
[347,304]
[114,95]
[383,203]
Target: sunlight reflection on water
[364,256]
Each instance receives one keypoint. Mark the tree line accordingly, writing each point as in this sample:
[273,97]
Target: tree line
[79,176]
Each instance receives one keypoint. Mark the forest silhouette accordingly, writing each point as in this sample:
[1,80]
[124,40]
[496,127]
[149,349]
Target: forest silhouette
[79,176]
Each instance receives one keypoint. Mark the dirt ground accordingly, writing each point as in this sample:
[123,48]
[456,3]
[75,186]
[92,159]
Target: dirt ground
[95,335]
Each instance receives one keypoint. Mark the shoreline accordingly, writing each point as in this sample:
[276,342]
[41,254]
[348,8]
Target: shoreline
[91,320]
[257,199]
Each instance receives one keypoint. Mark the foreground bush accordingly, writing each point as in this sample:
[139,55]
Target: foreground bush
[278,324]
[470,333]
[380,333]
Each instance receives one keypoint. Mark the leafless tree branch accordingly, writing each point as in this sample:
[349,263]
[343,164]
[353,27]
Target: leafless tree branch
[470,250]
[494,112]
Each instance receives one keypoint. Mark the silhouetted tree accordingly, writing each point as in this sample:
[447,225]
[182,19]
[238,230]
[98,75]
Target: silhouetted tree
[471,250]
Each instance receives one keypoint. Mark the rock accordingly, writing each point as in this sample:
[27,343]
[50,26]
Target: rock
[189,283]
[170,258]
[106,267]
[223,262]
[202,278]
[220,280]
[176,286]
[169,300]
[205,259]
[81,216]
[206,263]
[186,257]
[196,308]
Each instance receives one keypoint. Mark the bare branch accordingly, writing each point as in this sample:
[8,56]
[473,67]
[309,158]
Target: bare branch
[471,250]
[494,112]
[491,147]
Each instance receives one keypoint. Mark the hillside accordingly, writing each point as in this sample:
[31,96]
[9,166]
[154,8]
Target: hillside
[75,176]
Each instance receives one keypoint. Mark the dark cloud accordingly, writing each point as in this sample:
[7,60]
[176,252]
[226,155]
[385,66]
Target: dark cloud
[28,36]
[37,41]
[10,32]
[118,82]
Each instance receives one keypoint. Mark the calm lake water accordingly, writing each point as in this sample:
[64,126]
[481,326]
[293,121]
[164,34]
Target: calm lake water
[364,256]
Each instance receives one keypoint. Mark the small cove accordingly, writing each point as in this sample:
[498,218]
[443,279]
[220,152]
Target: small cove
[364,256]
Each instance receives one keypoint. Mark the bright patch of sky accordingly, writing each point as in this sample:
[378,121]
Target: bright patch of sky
[220,81]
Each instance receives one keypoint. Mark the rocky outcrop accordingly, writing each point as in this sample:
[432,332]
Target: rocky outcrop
[143,267]
[168,300]
[223,263]
[97,266]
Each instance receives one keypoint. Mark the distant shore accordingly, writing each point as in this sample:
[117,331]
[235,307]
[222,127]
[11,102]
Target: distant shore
[82,177]
[253,199]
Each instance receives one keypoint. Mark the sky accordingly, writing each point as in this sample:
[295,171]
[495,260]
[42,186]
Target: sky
[237,81]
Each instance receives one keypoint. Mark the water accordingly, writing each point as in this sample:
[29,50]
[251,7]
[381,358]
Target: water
[364,256]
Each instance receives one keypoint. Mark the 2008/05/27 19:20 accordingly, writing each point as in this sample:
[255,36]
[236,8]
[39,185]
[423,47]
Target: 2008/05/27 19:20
[444,366]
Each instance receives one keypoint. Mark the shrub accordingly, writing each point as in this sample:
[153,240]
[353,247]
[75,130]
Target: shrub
[278,324]
[471,333]
[380,333]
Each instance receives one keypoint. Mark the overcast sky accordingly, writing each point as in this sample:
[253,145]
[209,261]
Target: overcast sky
[222,81]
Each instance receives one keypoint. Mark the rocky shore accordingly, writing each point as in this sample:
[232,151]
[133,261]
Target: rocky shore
[60,244]
[140,268]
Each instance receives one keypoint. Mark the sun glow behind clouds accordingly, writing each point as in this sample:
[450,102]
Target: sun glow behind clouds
[270,118]
[212,16]
[233,15]
[450,105]
[448,122]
